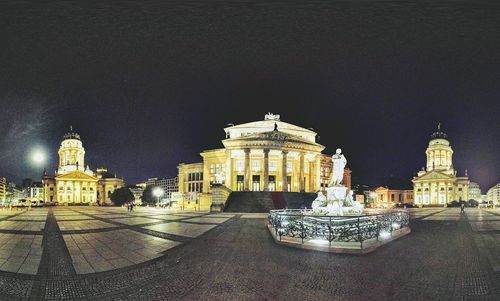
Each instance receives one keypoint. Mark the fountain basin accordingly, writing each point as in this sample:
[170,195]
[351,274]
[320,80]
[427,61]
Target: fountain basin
[338,234]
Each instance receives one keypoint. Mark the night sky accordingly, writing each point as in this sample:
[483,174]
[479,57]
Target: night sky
[149,85]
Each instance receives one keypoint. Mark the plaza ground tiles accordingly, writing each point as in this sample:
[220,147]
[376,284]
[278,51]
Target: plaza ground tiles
[115,255]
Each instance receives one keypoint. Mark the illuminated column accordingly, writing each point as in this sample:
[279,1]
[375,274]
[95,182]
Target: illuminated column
[284,171]
[266,169]
[301,172]
[318,173]
[247,169]
[229,170]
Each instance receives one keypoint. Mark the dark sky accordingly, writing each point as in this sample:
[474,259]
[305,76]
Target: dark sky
[149,84]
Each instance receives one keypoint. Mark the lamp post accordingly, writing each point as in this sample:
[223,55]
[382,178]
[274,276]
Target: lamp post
[158,192]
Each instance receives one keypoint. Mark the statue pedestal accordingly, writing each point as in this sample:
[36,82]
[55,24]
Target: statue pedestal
[336,193]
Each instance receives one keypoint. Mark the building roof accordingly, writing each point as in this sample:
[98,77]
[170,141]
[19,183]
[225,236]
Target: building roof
[270,123]
[71,134]
[439,134]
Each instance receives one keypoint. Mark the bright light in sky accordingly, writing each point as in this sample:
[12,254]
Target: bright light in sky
[38,156]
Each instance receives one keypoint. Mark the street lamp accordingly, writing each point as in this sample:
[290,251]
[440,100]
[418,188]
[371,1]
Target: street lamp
[158,192]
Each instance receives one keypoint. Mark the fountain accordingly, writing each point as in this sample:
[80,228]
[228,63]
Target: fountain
[336,222]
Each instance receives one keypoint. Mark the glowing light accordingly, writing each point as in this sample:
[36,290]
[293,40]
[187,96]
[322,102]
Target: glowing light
[37,156]
[157,192]
[395,225]
[319,241]
[385,234]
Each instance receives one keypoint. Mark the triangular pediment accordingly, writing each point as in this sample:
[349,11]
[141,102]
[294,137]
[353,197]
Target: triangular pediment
[276,136]
[435,175]
[76,175]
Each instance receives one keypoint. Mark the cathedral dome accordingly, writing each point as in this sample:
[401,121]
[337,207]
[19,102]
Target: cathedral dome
[71,134]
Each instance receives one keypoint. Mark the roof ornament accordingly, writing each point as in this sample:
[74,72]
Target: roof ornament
[71,128]
[439,125]
[275,126]
[271,116]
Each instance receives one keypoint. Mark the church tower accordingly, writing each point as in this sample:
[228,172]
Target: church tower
[71,153]
[439,153]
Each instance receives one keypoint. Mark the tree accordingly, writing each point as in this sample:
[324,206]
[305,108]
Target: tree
[473,203]
[148,197]
[122,196]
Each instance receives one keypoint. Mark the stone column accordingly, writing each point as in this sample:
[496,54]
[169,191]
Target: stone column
[318,173]
[284,170]
[266,169]
[229,171]
[301,172]
[247,169]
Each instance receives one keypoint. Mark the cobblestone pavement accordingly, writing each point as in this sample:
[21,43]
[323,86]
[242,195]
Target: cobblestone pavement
[151,254]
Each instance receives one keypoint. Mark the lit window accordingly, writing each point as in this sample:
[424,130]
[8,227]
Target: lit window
[212,168]
[256,165]
[273,166]
[288,167]
[239,165]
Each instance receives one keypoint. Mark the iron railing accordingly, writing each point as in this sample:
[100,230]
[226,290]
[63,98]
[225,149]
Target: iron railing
[306,226]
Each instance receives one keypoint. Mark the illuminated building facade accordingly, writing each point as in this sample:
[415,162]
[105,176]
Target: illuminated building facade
[389,198]
[75,184]
[268,155]
[168,185]
[474,191]
[438,184]
[493,195]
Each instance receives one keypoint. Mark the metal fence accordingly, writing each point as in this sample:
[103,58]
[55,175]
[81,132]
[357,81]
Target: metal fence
[303,224]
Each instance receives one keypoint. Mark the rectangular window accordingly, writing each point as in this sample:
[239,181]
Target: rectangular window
[256,165]
[272,183]
[255,183]
[240,183]
[239,165]
[212,168]
[288,167]
[273,166]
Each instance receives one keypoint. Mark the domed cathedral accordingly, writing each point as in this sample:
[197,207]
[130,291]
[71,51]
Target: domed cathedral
[73,183]
[438,184]
[268,155]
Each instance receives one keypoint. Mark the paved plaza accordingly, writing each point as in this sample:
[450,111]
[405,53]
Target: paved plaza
[107,253]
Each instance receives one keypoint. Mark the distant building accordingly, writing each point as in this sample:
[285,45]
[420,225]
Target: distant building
[3,189]
[74,183]
[484,199]
[14,193]
[107,183]
[387,197]
[169,185]
[36,194]
[494,195]
[438,183]
[474,191]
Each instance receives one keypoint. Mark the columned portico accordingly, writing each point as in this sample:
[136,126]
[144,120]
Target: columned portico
[266,169]
[268,155]
[284,169]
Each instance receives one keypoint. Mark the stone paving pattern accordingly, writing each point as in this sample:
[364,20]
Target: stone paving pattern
[93,253]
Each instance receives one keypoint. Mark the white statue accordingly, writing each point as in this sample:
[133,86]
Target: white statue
[319,203]
[339,163]
[351,206]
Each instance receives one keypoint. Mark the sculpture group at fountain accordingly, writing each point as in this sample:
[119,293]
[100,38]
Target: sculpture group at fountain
[337,201]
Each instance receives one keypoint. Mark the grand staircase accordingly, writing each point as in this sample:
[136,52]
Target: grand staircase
[262,202]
